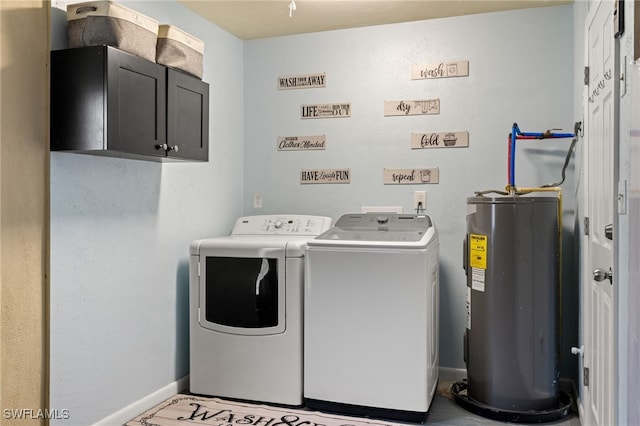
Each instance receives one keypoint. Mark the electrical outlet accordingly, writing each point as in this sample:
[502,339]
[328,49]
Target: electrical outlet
[419,201]
[257,200]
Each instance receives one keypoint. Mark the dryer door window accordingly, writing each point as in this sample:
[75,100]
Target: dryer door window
[241,293]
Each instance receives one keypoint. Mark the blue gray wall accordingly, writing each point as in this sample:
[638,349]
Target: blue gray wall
[520,70]
[120,233]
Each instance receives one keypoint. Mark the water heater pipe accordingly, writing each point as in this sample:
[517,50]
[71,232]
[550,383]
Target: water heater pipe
[516,134]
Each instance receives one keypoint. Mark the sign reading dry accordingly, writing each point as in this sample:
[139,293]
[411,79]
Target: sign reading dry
[419,107]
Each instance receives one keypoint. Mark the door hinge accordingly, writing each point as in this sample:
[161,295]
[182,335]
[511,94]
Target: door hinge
[585,376]
[586,76]
[586,226]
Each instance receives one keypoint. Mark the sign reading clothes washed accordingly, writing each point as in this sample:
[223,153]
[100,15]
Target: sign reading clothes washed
[326,110]
[416,107]
[325,176]
[301,143]
[306,81]
[410,176]
[440,140]
[440,70]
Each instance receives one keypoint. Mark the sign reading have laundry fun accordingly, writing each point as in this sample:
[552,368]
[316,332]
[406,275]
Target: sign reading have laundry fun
[325,176]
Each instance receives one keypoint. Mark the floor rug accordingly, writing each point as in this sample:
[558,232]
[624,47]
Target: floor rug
[186,410]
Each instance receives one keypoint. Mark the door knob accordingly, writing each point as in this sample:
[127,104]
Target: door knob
[601,275]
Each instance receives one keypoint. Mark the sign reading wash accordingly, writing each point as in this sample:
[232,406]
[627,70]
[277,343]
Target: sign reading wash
[325,176]
[440,70]
[306,81]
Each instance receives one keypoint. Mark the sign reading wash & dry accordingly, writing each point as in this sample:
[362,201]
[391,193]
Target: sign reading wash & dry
[325,176]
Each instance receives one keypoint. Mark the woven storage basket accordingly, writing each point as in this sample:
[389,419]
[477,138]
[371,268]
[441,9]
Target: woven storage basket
[178,49]
[106,22]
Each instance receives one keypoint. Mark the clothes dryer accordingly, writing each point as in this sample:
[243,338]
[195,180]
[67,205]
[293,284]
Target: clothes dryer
[371,316]
[246,299]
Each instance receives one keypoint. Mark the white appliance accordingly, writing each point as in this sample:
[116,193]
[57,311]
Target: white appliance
[371,316]
[246,299]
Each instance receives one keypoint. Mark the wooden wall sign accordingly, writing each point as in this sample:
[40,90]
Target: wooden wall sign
[325,176]
[326,110]
[306,81]
[440,140]
[440,70]
[416,107]
[410,176]
[301,143]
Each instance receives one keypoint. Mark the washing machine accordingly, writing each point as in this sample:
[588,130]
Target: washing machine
[246,300]
[371,317]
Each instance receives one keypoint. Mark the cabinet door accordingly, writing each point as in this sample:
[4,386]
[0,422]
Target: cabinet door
[187,116]
[136,115]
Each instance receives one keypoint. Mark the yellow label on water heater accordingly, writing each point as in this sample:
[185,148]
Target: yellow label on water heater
[478,251]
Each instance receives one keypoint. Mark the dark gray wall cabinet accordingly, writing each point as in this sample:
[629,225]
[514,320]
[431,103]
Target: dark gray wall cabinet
[108,102]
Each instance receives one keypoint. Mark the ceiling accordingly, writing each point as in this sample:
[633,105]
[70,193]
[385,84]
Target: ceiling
[254,19]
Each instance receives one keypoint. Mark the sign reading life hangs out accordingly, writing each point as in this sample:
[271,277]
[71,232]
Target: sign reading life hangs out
[326,110]
[306,81]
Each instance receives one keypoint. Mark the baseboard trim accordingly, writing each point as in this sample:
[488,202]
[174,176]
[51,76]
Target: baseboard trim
[132,410]
[447,374]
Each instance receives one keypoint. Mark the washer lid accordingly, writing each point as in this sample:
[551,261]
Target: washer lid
[376,227]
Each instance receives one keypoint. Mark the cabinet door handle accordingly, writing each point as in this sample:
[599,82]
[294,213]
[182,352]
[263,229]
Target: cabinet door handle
[174,148]
[163,146]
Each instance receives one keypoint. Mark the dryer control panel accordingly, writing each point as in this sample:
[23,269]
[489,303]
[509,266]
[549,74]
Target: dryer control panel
[300,225]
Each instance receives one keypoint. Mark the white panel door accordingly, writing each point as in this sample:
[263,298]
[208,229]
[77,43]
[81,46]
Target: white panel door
[598,303]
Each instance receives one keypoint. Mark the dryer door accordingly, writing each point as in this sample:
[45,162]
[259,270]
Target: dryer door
[242,292]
